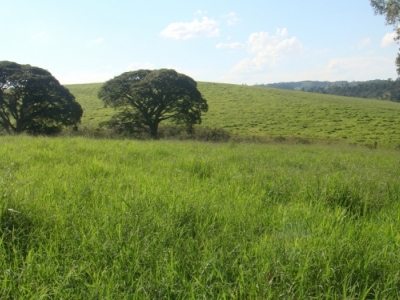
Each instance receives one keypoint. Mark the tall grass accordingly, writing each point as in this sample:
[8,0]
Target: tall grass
[95,219]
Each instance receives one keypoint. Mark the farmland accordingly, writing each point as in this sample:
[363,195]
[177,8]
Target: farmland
[265,113]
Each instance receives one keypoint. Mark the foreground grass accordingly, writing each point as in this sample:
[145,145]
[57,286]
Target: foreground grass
[261,112]
[87,219]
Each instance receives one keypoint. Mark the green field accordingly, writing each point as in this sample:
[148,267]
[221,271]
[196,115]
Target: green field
[106,219]
[260,112]
[84,218]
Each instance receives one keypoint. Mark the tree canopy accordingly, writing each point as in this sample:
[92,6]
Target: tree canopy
[148,97]
[391,10]
[33,101]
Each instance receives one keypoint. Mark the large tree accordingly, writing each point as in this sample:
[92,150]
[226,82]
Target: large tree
[33,101]
[148,97]
[391,10]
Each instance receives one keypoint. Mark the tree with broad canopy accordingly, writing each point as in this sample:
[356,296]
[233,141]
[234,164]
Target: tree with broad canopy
[33,101]
[148,97]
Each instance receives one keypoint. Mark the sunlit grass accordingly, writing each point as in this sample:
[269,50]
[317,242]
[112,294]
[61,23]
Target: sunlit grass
[87,219]
[260,112]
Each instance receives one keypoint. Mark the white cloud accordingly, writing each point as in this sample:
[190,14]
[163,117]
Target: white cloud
[200,12]
[38,36]
[231,18]
[268,50]
[282,32]
[235,45]
[137,66]
[388,39]
[94,42]
[182,31]
[244,66]
[359,68]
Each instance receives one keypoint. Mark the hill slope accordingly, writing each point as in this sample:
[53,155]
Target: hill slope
[252,111]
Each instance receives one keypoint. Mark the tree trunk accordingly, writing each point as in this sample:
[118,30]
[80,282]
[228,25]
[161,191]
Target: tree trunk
[153,130]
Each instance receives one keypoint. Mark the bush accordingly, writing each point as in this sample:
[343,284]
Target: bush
[109,130]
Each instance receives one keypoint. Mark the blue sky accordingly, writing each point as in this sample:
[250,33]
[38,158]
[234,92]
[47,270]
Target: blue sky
[232,41]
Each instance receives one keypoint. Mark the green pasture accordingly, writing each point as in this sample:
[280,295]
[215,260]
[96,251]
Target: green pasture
[94,111]
[261,112]
[108,219]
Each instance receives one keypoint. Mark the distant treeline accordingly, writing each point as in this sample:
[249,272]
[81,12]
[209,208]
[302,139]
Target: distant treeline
[376,89]
[304,85]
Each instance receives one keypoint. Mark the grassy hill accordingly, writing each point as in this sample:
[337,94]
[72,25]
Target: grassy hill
[263,112]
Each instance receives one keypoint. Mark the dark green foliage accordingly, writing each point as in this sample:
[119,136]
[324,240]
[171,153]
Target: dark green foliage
[301,85]
[375,89]
[125,122]
[391,10]
[33,101]
[149,97]
[372,89]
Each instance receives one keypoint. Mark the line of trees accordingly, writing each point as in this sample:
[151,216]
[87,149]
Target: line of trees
[376,89]
[302,85]
[33,101]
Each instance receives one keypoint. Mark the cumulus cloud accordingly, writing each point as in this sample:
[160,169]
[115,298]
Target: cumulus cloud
[235,45]
[282,32]
[231,18]
[182,31]
[388,39]
[267,50]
